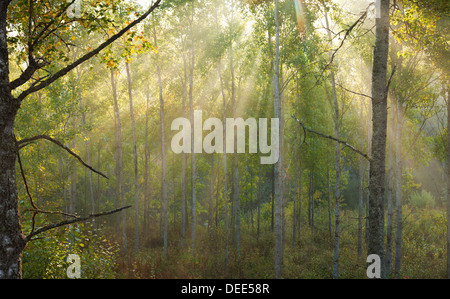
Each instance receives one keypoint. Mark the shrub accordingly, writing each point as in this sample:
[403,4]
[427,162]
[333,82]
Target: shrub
[46,257]
[422,200]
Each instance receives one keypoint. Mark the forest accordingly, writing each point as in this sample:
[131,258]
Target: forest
[119,155]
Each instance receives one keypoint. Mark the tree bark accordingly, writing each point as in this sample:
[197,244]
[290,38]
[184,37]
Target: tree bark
[10,229]
[379,108]
[337,164]
[11,236]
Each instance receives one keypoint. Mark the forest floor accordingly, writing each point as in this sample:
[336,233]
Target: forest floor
[423,253]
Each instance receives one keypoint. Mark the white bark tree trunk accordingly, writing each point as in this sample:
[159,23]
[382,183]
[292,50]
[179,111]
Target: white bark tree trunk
[136,174]
[278,199]
[119,159]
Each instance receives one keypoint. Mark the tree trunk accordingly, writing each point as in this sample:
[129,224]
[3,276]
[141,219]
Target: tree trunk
[146,168]
[338,181]
[86,139]
[236,200]
[389,194]
[278,199]
[309,198]
[10,229]
[294,214]
[379,108]
[369,153]
[448,179]
[191,106]
[183,163]
[136,177]
[337,163]
[211,198]
[163,148]
[313,191]
[329,198]
[361,184]
[258,221]
[225,177]
[119,159]
[299,191]
[398,191]
[11,236]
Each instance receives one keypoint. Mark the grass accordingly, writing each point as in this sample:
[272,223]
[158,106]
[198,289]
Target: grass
[423,253]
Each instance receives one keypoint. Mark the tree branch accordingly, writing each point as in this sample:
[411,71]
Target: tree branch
[347,33]
[354,92]
[33,66]
[27,74]
[72,221]
[25,181]
[49,24]
[86,56]
[22,143]
[333,138]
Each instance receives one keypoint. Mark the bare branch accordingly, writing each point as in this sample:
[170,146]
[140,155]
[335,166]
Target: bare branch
[72,221]
[25,181]
[390,79]
[347,33]
[36,211]
[333,138]
[22,143]
[354,92]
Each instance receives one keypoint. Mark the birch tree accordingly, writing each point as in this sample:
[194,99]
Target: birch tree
[278,199]
[379,112]
[11,98]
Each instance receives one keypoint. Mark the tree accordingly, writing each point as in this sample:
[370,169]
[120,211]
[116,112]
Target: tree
[120,185]
[191,107]
[338,160]
[278,199]
[135,156]
[163,147]
[379,112]
[34,39]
